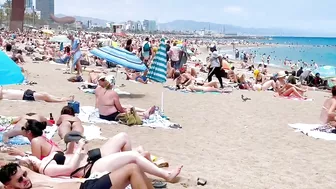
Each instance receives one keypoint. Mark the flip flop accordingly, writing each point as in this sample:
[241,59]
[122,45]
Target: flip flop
[159,184]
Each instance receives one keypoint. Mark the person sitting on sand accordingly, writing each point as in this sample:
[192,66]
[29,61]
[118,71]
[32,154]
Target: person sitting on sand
[108,102]
[30,95]
[259,77]
[40,145]
[187,69]
[328,113]
[68,122]
[13,176]
[109,160]
[286,89]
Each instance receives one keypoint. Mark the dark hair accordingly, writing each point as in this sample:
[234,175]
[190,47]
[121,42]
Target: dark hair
[15,59]
[146,39]
[67,49]
[293,73]
[8,47]
[68,110]
[35,127]
[333,90]
[129,42]
[232,68]
[20,52]
[7,171]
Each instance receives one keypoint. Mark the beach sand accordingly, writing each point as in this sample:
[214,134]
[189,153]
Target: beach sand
[230,143]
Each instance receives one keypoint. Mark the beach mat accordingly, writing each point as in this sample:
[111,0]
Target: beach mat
[92,132]
[313,130]
[89,114]
[92,91]
[171,88]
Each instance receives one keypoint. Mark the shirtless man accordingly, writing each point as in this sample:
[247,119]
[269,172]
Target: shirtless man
[29,95]
[20,122]
[15,177]
[108,102]
[328,113]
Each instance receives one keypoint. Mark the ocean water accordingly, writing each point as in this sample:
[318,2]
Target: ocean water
[310,50]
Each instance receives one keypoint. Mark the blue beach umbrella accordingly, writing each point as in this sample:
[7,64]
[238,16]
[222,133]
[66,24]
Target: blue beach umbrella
[326,71]
[120,57]
[10,72]
[158,70]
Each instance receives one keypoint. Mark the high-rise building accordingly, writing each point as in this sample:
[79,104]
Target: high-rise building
[46,7]
[29,4]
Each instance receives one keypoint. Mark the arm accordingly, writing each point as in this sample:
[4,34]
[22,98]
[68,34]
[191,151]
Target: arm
[59,121]
[11,133]
[46,120]
[16,120]
[118,104]
[54,170]
[331,111]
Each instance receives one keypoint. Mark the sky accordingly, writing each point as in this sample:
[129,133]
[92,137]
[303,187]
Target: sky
[312,15]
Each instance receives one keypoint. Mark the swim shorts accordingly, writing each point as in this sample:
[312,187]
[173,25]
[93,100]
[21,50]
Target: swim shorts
[103,182]
[111,117]
[28,95]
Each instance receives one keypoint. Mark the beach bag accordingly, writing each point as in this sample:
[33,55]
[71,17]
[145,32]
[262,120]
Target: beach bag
[130,118]
[146,47]
[93,156]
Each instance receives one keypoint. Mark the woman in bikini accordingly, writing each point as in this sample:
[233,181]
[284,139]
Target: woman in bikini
[286,89]
[40,145]
[328,113]
[110,159]
[68,122]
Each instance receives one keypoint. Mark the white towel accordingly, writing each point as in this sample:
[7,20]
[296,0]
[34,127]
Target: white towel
[309,130]
[90,114]
[93,132]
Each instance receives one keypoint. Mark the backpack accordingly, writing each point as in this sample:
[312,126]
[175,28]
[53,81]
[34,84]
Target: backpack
[146,47]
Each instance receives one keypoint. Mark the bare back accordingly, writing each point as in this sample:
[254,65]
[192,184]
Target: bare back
[11,94]
[324,116]
[105,101]
[70,118]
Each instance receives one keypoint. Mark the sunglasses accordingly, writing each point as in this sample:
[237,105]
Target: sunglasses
[20,180]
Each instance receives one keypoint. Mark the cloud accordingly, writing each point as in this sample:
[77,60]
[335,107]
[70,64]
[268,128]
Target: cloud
[233,9]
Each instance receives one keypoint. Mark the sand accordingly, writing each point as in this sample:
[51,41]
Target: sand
[232,144]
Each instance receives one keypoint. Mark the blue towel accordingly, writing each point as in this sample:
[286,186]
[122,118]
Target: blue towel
[18,140]
[185,91]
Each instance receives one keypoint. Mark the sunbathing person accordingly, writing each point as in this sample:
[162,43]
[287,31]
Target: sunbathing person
[40,145]
[108,160]
[259,77]
[189,70]
[328,113]
[20,122]
[286,89]
[108,102]
[13,176]
[29,95]
[265,86]
[137,76]
[68,122]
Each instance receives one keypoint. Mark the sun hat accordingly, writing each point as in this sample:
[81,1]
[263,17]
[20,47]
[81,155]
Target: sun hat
[281,74]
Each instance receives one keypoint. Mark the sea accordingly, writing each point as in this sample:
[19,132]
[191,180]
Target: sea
[310,50]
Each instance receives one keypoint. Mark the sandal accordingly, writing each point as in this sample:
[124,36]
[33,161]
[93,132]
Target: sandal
[159,184]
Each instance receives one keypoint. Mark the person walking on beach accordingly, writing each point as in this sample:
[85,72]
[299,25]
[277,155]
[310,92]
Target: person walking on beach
[76,54]
[215,65]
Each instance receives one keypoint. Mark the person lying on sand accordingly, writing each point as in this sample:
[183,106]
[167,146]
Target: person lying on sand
[13,176]
[328,113]
[108,103]
[285,89]
[94,75]
[68,122]
[189,70]
[40,145]
[108,159]
[30,95]
[137,76]
[20,122]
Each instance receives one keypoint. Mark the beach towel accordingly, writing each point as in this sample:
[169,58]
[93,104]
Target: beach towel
[92,91]
[159,120]
[172,88]
[93,132]
[298,99]
[90,114]
[317,131]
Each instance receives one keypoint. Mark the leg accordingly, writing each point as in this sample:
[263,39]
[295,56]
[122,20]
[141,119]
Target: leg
[144,153]
[193,72]
[294,92]
[219,77]
[211,73]
[115,161]
[213,84]
[64,128]
[79,67]
[129,174]
[49,98]
[120,142]
[268,84]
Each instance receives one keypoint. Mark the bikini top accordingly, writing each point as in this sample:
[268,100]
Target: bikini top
[53,146]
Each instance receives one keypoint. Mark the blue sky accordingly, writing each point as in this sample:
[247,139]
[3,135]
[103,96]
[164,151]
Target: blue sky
[313,15]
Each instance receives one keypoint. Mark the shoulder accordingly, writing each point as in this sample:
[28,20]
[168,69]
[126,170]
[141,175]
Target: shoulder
[37,140]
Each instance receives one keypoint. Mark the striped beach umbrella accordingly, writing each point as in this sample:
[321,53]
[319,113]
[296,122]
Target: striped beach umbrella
[120,57]
[326,71]
[158,70]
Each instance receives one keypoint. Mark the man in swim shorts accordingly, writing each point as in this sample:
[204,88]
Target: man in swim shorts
[15,177]
[30,95]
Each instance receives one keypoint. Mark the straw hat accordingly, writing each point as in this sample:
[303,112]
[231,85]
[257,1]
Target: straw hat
[281,74]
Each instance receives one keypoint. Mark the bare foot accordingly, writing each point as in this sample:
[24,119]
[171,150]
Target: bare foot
[173,174]
[149,112]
